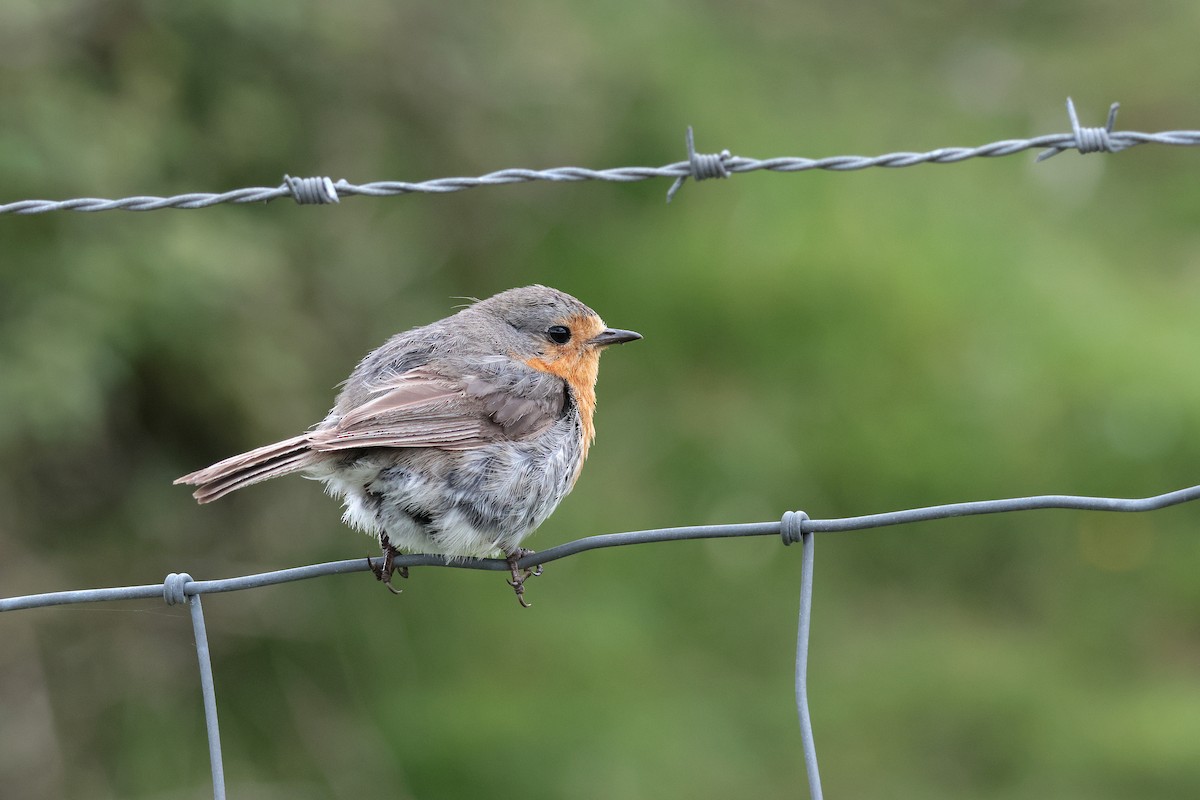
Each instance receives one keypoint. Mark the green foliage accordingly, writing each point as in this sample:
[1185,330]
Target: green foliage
[841,343]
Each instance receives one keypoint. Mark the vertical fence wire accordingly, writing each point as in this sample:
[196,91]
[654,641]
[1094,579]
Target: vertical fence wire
[210,697]
[794,527]
[698,167]
[806,732]
[174,592]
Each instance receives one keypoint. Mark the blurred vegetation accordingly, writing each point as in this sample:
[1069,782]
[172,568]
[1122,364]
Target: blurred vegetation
[841,343]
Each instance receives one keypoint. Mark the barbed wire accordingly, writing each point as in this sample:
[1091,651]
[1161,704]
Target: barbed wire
[794,526]
[698,166]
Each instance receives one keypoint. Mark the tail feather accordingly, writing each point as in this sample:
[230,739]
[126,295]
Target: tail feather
[236,472]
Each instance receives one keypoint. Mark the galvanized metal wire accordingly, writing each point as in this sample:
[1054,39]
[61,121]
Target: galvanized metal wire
[698,166]
[793,527]
[178,588]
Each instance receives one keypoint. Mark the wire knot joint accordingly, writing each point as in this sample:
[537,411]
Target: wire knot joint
[791,527]
[701,166]
[311,191]
[173,588]
[1088,140]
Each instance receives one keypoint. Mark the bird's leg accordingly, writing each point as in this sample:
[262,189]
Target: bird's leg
[387,568]
[519,576]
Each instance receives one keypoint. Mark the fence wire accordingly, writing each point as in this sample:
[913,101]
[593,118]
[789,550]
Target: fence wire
[793,527]
[698,166]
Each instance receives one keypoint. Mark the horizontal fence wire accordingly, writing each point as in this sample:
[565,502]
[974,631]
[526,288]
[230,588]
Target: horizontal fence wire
[698,166]
[793,527]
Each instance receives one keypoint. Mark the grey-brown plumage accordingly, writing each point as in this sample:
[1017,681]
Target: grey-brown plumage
[456,438]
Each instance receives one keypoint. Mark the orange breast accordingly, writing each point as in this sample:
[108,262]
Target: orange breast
[578,363]
[580,374]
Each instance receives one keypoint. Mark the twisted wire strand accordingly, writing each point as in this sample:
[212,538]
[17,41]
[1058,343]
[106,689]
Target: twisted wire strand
[698,166]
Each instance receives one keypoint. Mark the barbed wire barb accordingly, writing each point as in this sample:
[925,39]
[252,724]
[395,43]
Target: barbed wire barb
[311,191]
[1088,140]
[699,166]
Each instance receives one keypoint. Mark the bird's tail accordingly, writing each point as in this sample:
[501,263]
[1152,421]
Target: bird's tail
[235,472]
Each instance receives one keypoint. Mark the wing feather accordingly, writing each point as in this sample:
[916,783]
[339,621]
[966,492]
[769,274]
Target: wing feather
[422,408]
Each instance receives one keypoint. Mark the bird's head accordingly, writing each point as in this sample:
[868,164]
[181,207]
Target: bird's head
[553,332]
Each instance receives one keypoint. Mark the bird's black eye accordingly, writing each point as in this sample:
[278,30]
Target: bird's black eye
[559,334]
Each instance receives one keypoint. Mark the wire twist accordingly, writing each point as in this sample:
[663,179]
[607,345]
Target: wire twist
[1089,140]
[791,526]
[173,588]
[701,166]
[311,191]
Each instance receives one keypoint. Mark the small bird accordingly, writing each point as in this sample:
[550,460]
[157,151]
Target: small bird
[458,438]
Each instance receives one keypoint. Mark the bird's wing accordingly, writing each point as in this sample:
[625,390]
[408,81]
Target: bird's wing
[422,408]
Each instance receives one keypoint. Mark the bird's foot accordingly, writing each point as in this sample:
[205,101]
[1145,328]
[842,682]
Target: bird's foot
[519,575]
[384,571]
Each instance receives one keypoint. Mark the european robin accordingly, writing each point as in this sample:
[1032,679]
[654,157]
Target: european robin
[458,438]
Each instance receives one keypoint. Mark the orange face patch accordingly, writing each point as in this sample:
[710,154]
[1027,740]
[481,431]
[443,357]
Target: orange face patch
[578,363]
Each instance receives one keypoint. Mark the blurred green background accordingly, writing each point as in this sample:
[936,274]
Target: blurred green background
[841,343]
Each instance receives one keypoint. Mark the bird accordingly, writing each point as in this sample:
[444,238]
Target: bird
[457,438]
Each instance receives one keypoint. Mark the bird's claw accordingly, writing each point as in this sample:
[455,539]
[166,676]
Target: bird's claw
[388,583]
[385,570]
[520,575]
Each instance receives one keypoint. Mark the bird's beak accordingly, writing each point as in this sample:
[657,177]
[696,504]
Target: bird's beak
[613,336]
